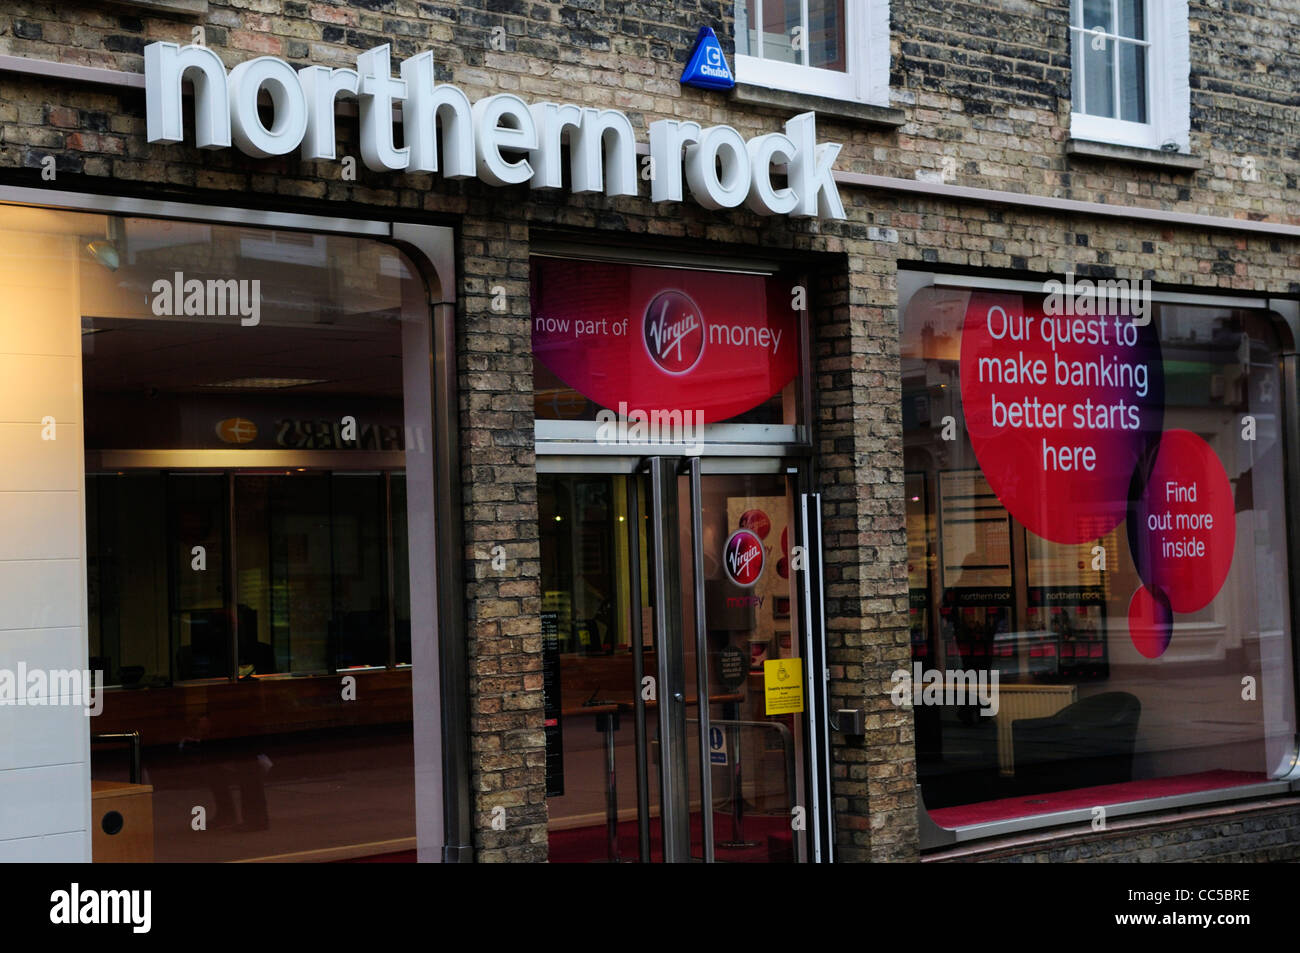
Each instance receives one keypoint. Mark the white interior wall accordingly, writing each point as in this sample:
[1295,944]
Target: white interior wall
[44,750]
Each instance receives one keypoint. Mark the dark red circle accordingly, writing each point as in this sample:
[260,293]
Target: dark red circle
[1150,622]
[1182,546]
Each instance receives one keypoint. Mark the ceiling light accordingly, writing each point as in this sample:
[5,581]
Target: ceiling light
[105,252]
[266,383]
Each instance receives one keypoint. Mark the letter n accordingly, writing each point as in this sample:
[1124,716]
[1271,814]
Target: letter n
[164,66]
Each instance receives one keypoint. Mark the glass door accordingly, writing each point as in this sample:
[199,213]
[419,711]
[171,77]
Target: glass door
[679,626]
[600,668]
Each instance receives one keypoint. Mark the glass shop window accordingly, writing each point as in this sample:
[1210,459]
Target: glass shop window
[1097,555]
[252,403]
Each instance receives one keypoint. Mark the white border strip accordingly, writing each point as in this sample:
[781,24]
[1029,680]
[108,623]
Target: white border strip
[52,69]
[211,214]
[1036,287]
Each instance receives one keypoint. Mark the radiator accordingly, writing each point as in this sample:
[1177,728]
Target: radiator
[1025,701]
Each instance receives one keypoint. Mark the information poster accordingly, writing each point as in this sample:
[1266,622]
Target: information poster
[783,686]
[976,533]
[551,703]
[1064,405]
[765,516]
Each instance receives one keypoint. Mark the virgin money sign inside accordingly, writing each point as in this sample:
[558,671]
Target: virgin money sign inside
[500,139]
[711,343]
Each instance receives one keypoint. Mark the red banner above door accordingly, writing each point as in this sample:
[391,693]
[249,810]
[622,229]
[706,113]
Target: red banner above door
[664,339]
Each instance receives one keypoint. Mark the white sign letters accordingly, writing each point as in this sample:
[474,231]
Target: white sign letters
[499,139]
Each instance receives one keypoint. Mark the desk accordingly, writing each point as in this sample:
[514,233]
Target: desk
[264,705]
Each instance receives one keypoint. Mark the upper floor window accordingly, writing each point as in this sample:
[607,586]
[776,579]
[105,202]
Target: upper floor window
[823,47]
[1130,72]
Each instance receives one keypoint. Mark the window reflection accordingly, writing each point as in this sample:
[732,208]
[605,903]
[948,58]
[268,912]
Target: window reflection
[1082,704]
[246,537]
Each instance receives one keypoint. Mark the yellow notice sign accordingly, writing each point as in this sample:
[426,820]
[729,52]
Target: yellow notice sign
[783,685]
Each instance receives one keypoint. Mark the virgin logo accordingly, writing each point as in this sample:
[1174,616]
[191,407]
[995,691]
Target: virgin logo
[743,557]
[674,332]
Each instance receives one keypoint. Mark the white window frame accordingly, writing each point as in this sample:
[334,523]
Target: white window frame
[1168,85]
[866,59]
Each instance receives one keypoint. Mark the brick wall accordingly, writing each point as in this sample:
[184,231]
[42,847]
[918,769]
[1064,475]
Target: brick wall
[507,744]
[1000,106]
[860,451]
[990,85]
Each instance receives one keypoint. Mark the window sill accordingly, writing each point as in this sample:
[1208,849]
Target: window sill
[179,8]
[1028,841]
[866,114]
[1104,151]
[978,834]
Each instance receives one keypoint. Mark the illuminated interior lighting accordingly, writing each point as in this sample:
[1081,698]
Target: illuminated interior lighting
[265,383]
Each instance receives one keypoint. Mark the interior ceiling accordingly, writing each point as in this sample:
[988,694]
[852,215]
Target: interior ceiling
[135,356]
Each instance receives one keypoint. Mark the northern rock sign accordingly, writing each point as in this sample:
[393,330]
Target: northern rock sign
[500,139]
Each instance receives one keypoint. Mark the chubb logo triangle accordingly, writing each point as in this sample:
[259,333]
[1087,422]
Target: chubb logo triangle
[707,67]
[500,139]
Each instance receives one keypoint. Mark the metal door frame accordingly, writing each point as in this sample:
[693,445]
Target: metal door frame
[663,506]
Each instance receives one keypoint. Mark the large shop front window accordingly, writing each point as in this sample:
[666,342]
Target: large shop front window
[1097,552]
[235,441]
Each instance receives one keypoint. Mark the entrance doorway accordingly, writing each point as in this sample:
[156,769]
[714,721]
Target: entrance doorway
[684,658]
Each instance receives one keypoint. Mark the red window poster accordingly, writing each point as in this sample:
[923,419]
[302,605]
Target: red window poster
[636,337]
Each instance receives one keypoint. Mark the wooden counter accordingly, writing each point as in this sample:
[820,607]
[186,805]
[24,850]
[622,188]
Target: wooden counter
[256,706]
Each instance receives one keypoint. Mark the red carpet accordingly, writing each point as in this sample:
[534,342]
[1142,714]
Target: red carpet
[397,857]
[770,836]
[1031,805]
